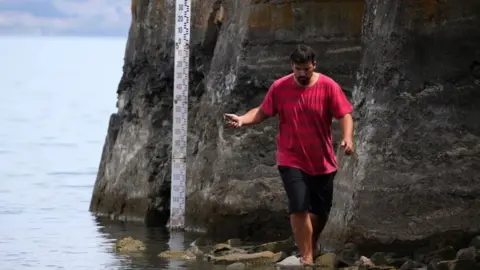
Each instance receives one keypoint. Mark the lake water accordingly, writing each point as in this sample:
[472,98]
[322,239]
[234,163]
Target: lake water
[56,98]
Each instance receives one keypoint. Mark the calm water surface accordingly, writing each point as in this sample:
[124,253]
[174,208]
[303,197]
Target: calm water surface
[56,97]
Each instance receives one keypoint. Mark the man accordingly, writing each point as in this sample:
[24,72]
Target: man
[305,102]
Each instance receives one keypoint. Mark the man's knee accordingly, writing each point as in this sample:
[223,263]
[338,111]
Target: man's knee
[301,214]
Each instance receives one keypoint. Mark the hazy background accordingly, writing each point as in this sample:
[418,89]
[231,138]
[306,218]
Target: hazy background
[65,17]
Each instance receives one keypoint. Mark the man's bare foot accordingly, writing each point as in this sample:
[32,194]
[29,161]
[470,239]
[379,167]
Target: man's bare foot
[306,260]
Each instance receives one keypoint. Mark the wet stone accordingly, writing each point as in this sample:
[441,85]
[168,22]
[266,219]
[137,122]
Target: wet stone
[326,261]
[183,255]
[386,258]
[475,242]
[412,265]
[456,265]
[287,246]
[366,262]
[446,253]
[349,255]
[129,245]
[250,259]
[225,249]
[289,261]
[279,254]
[467,254]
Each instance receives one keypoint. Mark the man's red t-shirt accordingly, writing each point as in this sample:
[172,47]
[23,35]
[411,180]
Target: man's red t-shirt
[305,116]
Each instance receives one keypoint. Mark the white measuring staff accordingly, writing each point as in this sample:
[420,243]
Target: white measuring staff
[180,115]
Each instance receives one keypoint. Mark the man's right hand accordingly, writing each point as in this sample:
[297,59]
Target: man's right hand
[233,120]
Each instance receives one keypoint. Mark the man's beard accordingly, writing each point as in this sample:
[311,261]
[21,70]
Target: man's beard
[303,80]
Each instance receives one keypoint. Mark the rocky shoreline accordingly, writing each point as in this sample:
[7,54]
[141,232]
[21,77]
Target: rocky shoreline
[234,254]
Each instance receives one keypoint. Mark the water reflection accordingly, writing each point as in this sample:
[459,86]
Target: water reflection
[156,241]
[53,116]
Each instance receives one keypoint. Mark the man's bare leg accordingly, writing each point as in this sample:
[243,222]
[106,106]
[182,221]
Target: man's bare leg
[303,231]
[315,233]
[318,223]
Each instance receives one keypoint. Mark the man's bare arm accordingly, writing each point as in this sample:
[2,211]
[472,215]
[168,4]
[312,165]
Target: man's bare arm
[346,124]
[253,117]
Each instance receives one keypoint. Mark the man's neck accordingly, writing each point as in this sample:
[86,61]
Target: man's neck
[313,80]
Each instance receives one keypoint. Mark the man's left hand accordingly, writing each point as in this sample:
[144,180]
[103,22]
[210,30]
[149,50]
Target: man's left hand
[347,144]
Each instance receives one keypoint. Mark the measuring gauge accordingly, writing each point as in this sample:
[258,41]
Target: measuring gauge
[180,115]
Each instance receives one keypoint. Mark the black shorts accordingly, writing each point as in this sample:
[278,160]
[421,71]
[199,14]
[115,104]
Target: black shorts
[307,193]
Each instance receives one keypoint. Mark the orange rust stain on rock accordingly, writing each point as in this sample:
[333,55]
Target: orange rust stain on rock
[270,16]
[345,17]
[205,14]
[160,5]
[200,13]
[160,12]
[430,8]
[426,10]
[333,17]
[134,9]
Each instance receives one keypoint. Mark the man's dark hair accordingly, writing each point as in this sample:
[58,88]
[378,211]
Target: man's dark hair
[302,54]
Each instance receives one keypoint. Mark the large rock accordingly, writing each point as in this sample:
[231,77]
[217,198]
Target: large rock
[234,188]
[417,104]
[238,49]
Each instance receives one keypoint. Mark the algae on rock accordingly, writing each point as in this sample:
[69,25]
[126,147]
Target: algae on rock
[129,245]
